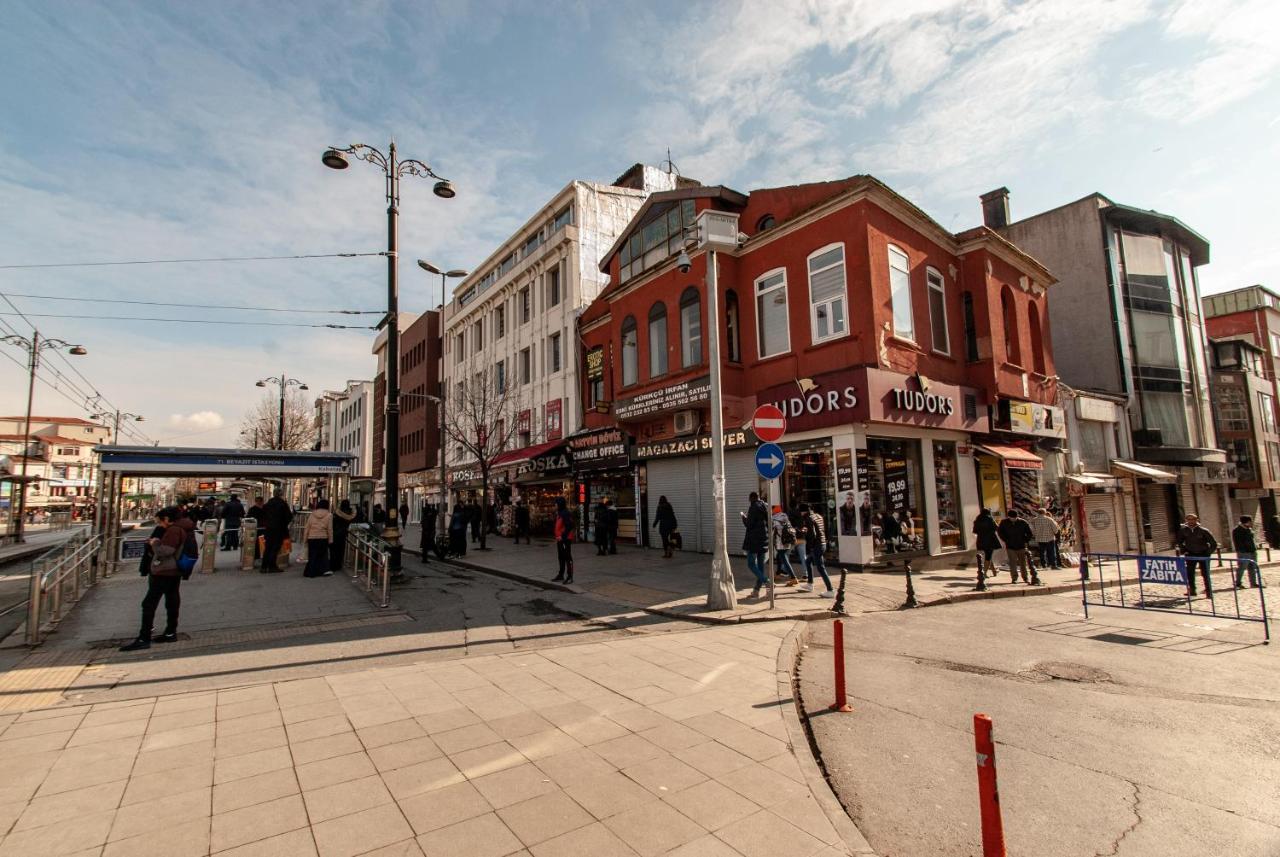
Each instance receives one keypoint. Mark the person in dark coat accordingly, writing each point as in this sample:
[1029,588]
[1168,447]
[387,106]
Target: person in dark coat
[429,518]
[988,542]
[890,531]
[522,521]
[613,520]
[665,520]
[148,553]
[232,515]
[602,527]
[458,531]
[474,516]
[1016,535]
[342,518]
[164,578]
[378,521]
[756,539]
[1245,542]
[564,542]
[404,515]
[276,516]
[1197,544]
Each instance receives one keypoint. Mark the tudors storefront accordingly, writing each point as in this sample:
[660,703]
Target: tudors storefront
[886,457]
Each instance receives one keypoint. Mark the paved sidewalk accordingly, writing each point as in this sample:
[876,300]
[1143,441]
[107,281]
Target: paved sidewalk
[671,744]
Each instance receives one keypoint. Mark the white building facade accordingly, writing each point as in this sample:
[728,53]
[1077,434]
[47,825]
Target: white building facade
[516,317]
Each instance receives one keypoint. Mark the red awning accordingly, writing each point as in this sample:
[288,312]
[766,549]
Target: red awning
[515,456]
[1014,456]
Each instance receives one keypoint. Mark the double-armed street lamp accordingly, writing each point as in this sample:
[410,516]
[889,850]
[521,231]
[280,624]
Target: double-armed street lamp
[284,383]
[393,169]
[441,443]
[118,415]
[33,347]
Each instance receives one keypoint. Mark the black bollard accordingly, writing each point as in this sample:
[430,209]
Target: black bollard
[911,589]
[838,606]
[982,574]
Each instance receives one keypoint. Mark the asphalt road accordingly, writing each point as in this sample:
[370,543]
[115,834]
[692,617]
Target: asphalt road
[1106,745]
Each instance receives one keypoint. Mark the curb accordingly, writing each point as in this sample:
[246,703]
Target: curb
[665,612]
[798,737]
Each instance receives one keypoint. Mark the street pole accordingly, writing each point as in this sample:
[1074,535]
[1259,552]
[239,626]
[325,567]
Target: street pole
[392,443]
[441,441]
[280,424]
[721,590]
[32,364]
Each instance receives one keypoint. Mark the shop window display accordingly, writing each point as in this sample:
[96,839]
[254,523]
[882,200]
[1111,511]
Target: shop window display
[894,487]
[808,479]
[950,533]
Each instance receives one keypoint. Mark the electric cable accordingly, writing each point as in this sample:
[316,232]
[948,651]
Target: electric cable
[195,306]
[186,261]
[191,320]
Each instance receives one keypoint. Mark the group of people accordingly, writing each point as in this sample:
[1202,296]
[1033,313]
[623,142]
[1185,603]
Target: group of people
[804,532]
[1198,545]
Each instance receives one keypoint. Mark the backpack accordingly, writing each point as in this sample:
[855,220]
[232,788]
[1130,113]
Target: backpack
[187,558]
[787,534]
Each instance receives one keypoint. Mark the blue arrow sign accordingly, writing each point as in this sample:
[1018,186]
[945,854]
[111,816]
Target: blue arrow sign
[769,460]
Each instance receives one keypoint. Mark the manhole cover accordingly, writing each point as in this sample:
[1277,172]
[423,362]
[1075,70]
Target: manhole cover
[1071,672]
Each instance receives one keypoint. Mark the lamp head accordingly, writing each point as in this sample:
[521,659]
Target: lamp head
[260,384]
[79,350]
[304,387]
[444,189]
[428,267]
[457,272]
[140,419]
[335,160]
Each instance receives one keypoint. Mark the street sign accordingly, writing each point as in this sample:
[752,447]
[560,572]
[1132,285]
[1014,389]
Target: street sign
[769,460]
[768,423]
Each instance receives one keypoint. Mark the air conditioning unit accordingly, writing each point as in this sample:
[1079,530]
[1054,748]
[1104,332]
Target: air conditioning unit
[686,422]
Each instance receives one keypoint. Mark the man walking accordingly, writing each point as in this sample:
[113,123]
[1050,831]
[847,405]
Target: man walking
[276,516]
[564,542]
[1246,545]
[814,535]
[522,521]
[1016,535]
[1045,529]
[612,520]
[232,515]
[1196,544]
[756,539]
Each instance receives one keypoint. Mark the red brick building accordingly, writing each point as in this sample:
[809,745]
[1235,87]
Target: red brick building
[894,346]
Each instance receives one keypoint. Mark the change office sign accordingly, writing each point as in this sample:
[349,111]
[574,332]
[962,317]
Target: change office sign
[1163,569]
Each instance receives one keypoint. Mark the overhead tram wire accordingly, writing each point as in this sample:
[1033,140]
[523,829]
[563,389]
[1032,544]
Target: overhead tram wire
[192,320]
[193,306]
[187,261]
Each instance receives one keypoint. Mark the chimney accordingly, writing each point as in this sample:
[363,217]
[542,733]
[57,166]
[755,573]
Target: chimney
[995,208]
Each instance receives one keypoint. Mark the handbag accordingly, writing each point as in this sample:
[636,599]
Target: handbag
[677,540]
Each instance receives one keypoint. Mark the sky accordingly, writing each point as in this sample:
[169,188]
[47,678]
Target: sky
[143,131]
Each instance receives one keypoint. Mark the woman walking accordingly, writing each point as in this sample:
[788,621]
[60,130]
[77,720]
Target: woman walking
[342,519]
[564,542]
[665,521]
[988,542]
[318,534]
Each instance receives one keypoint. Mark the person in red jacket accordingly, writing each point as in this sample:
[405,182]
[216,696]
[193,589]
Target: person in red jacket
[564,542]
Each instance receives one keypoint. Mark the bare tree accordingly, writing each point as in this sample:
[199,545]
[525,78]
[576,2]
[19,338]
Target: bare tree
[484,415]
[260,426]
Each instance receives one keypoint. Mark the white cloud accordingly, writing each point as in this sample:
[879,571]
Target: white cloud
[197,421]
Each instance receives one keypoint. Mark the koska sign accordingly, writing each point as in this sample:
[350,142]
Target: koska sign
[922,402]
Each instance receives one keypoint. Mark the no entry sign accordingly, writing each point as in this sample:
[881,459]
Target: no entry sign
[768,423]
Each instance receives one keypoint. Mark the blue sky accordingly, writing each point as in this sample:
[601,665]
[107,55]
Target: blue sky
[183,129]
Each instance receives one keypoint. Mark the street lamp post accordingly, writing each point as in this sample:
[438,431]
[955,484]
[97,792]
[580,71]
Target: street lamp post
[34,346]
[115,434]
[284,383]
[392,169]
[441,444]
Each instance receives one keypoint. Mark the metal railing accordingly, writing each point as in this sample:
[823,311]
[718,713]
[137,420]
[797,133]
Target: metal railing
[369,556]
[58,578]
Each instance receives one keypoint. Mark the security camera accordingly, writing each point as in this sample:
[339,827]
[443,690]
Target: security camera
[742,238]
[684,263]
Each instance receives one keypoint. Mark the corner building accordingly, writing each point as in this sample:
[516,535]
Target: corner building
[887,341]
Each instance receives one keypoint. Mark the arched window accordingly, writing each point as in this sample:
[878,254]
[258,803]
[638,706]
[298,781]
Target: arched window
[690,328]
[766,222]
[658,340]
[1037,343]
[630,352]
[1009,318]
[732,338]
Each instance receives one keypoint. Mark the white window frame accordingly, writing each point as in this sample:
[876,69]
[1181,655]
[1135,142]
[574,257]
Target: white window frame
[906,336]
[940,286]
[843,298]
[755,297]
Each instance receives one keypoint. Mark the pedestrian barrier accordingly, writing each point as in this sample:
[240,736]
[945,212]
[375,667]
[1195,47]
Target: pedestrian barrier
[1170,584]
[370,556]
[842,699]
[57,581]
[988,789]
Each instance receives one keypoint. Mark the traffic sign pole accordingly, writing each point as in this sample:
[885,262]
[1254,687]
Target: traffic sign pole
[770,461]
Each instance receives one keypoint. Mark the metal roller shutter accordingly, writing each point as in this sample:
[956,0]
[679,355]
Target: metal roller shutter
[1156,500]
[676,479]
[1103,520]
[740,479]
[1209,505]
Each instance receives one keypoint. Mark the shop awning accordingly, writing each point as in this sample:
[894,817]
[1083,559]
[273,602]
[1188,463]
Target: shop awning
[1146,471]
[1014,456]
[1091,478]
[515,456]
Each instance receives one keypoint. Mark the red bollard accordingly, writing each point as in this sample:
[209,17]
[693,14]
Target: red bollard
[988,793]
[842,702]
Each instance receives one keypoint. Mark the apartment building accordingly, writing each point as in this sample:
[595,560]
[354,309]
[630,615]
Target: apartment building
[61,465]
[515,318]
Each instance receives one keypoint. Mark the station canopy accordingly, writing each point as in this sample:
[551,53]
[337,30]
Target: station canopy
[183,461]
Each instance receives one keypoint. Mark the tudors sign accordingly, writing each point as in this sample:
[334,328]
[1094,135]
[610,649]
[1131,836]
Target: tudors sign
[674,398]
[606,449]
